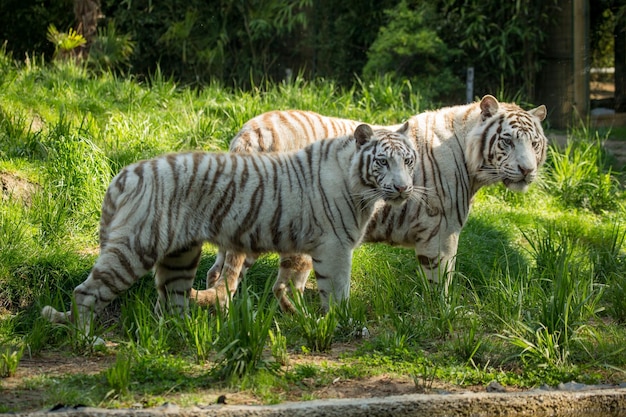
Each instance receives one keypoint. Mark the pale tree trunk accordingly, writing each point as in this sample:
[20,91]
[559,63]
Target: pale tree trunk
[87,14]
[620,64]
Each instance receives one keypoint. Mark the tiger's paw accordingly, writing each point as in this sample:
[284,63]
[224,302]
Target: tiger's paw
[57,317]
[203,297]
[54,316]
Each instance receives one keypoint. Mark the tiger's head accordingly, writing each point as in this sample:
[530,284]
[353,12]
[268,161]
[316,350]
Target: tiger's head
[507,144]
[386,164]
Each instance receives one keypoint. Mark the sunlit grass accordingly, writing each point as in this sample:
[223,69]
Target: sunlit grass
[539,296]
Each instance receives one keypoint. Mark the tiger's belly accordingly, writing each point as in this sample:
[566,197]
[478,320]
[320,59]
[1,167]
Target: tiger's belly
[294,235]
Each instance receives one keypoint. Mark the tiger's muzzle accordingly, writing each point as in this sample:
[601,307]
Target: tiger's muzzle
[399,194]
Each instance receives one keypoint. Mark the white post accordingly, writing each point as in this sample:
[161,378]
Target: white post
[469,86]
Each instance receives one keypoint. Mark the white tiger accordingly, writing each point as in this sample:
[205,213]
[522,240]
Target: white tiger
[157,213]
[461,149]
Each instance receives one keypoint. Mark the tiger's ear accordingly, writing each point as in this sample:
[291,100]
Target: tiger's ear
[363,133]
[539,112]
[488,106]
[404,129]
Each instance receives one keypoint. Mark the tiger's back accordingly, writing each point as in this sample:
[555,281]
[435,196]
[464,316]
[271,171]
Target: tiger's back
[288,130]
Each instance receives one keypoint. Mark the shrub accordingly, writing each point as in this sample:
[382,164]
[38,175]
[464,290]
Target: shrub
[410,47]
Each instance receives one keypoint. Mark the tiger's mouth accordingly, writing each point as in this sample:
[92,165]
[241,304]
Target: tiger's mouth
[519,185]
[397,199]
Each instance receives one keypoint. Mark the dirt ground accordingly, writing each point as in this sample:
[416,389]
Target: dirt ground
[21,392]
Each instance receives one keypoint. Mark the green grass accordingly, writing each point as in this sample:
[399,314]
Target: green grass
[539,297]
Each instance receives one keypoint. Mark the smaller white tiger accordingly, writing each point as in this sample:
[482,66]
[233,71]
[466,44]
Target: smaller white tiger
[318,201]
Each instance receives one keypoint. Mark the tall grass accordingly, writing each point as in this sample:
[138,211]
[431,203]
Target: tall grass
[244,331]
[539,289]
[580,175]
[568,295]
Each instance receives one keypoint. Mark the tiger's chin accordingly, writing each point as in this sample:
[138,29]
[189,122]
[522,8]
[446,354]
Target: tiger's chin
[517,186]
[397,201]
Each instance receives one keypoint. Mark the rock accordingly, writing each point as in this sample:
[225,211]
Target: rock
[495,386]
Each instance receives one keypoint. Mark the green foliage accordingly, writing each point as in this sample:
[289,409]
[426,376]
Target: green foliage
[425,377]
[10,357]
[148,333]
[317,329]
[511,51]
[77,174]
[570,299]
[244,331]
[278,346]
[409,47]
[232,41]
[340,33]
[603,21]
[201,333]
[64,43]
[579,176]
[110,50]
[616,297]
[245,44]
[118,376]
[24,25]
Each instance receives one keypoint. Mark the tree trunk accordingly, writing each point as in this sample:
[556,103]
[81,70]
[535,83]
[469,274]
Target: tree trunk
[87,14]
[620,67]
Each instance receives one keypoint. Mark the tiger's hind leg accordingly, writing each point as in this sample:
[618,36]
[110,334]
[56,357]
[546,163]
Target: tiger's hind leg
[116,269]
[234,267]
[174,276]
[222,265]
[216,270]
[294,270]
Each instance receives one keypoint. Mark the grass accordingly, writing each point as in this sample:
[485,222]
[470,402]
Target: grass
[539,296]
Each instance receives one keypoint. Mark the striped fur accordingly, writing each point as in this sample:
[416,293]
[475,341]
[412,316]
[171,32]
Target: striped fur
[279,131]
[461,149]
[157,213]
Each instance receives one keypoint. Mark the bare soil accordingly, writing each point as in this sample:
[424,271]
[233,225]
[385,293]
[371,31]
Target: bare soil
[21,392]
[15,187]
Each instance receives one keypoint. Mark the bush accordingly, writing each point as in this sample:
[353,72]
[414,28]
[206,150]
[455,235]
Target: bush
[409,47]
[196,41]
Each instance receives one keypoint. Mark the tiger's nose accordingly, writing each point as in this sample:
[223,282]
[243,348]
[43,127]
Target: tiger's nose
[401,188]
[524,170]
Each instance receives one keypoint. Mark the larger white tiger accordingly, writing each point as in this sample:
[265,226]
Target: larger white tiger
[157,213]
[461,149]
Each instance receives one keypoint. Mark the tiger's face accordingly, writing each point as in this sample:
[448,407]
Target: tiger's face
[389,163]
[513,144]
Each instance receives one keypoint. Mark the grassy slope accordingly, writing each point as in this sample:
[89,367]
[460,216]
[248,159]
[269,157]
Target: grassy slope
[539,296]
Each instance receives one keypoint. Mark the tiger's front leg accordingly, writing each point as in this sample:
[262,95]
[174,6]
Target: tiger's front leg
[437,258]
[332,266]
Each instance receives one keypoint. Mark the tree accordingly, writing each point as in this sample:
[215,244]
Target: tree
[87,13]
